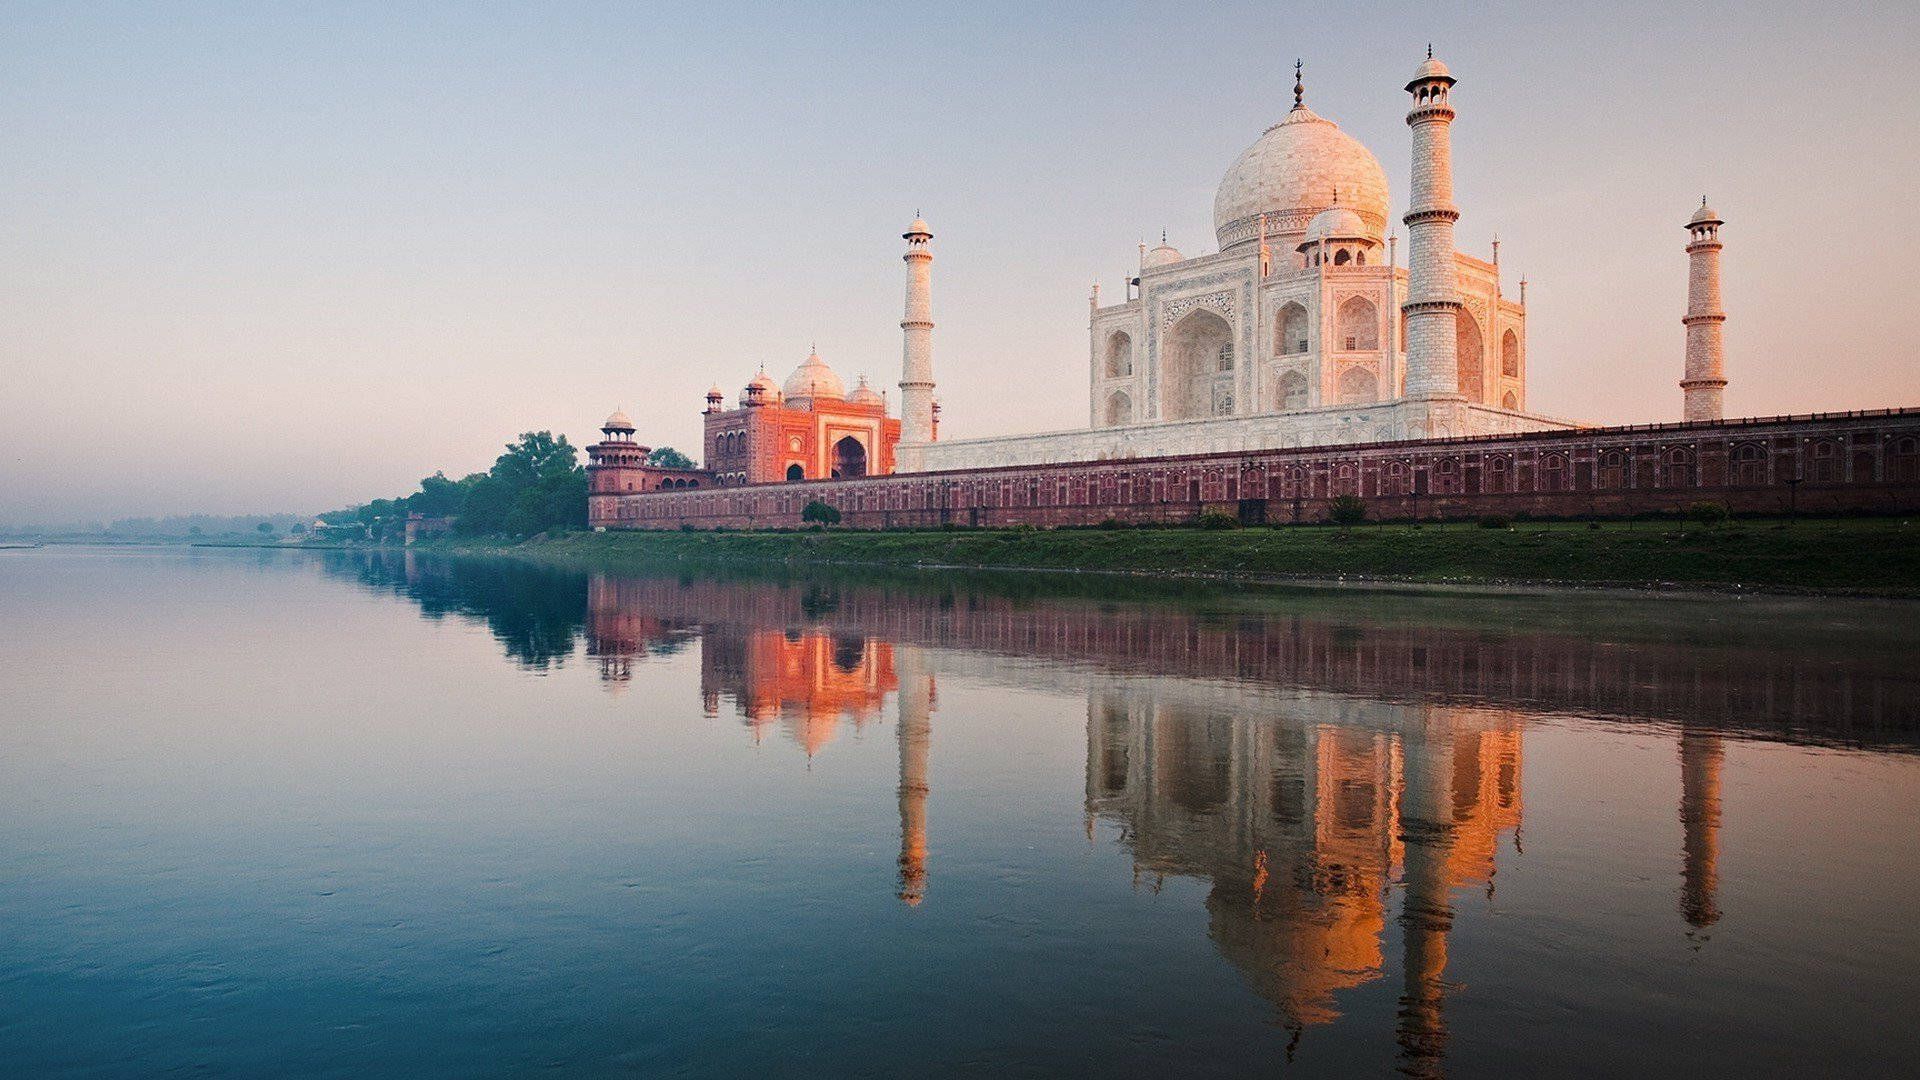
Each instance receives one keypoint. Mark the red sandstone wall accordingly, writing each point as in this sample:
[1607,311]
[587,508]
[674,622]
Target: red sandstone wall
[1818,464]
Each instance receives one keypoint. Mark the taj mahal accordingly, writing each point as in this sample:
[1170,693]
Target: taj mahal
[1305,330]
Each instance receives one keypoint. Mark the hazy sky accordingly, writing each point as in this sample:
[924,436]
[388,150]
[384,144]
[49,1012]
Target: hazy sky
[260,257]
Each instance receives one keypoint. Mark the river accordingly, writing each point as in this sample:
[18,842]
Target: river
[303,814]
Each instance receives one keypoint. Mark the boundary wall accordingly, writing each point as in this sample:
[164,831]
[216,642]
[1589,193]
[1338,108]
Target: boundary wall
[1824,463]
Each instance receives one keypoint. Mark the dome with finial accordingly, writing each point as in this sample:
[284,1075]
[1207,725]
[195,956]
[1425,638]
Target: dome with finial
[1164,255]
[866,395]
[1429,70]
[617,422]
[1339,223]
[716,393]
[1705,215]
[814,379]
[1287,175]
[761,389]
[917,229]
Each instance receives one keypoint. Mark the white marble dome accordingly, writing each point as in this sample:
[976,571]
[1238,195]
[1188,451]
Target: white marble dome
[1340,223]
[1290,174]
[1704,215]
[814,379]
[1429,69]
[865,395]
[617,422]
[1164,255]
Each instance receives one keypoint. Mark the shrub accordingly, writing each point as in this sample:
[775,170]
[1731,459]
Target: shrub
[1593,526]
[1496,521]
[820,513]
[1215,519]
[1709,514]
[1347,511]
[1113,523]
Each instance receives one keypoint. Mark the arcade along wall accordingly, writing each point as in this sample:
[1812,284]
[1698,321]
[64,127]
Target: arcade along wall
[1824,463]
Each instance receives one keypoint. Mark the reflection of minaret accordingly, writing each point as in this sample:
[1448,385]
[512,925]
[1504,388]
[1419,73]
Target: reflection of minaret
[1700,759]
[916,731]
[1426,915]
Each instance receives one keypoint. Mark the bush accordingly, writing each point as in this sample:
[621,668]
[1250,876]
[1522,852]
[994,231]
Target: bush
[1347,511]
[1496,521]
[1215,519]
[820,513]
[1593,526]
[1709,514]
[1113,523]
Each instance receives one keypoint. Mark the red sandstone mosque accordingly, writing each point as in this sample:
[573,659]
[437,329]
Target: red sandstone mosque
[1268,378]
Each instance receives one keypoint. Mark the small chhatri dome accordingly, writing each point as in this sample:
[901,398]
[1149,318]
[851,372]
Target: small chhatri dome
[1286,175]
[865,395]
[1164,255]
[918,229]
[1339,223]
[617,422]
[1430,70]
[716,393]
[814,379]
[1705,215]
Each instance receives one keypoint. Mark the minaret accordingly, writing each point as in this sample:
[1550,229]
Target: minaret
[916,361]
[1433,298]
[1700,762]
[916,731]
[1427,834]
[1706,376]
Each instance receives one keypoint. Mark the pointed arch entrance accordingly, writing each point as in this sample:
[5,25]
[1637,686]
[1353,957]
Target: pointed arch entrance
[849,459]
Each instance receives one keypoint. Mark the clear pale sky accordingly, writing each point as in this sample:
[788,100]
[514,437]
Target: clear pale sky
[261,258]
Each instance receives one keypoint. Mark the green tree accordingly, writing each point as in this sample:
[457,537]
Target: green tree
[820,513]
[1347,511]
[538,456]
[484,510]
[438,496]
[536,486]
[668,458]
[265,528]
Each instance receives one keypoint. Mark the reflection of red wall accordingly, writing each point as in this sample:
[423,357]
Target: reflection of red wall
[1775,690]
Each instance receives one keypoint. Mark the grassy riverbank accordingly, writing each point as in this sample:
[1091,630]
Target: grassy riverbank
[1865,556]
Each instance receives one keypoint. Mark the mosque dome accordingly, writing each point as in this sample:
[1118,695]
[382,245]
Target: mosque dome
[1703,215]
[814,379]
[1164,255]
[760,388]
[866,395]
[617,422]
[1291,173]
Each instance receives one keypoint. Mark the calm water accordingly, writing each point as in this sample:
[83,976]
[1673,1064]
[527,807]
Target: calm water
[283,814]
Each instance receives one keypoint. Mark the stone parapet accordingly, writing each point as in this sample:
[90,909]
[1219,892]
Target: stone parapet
[1826,463]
